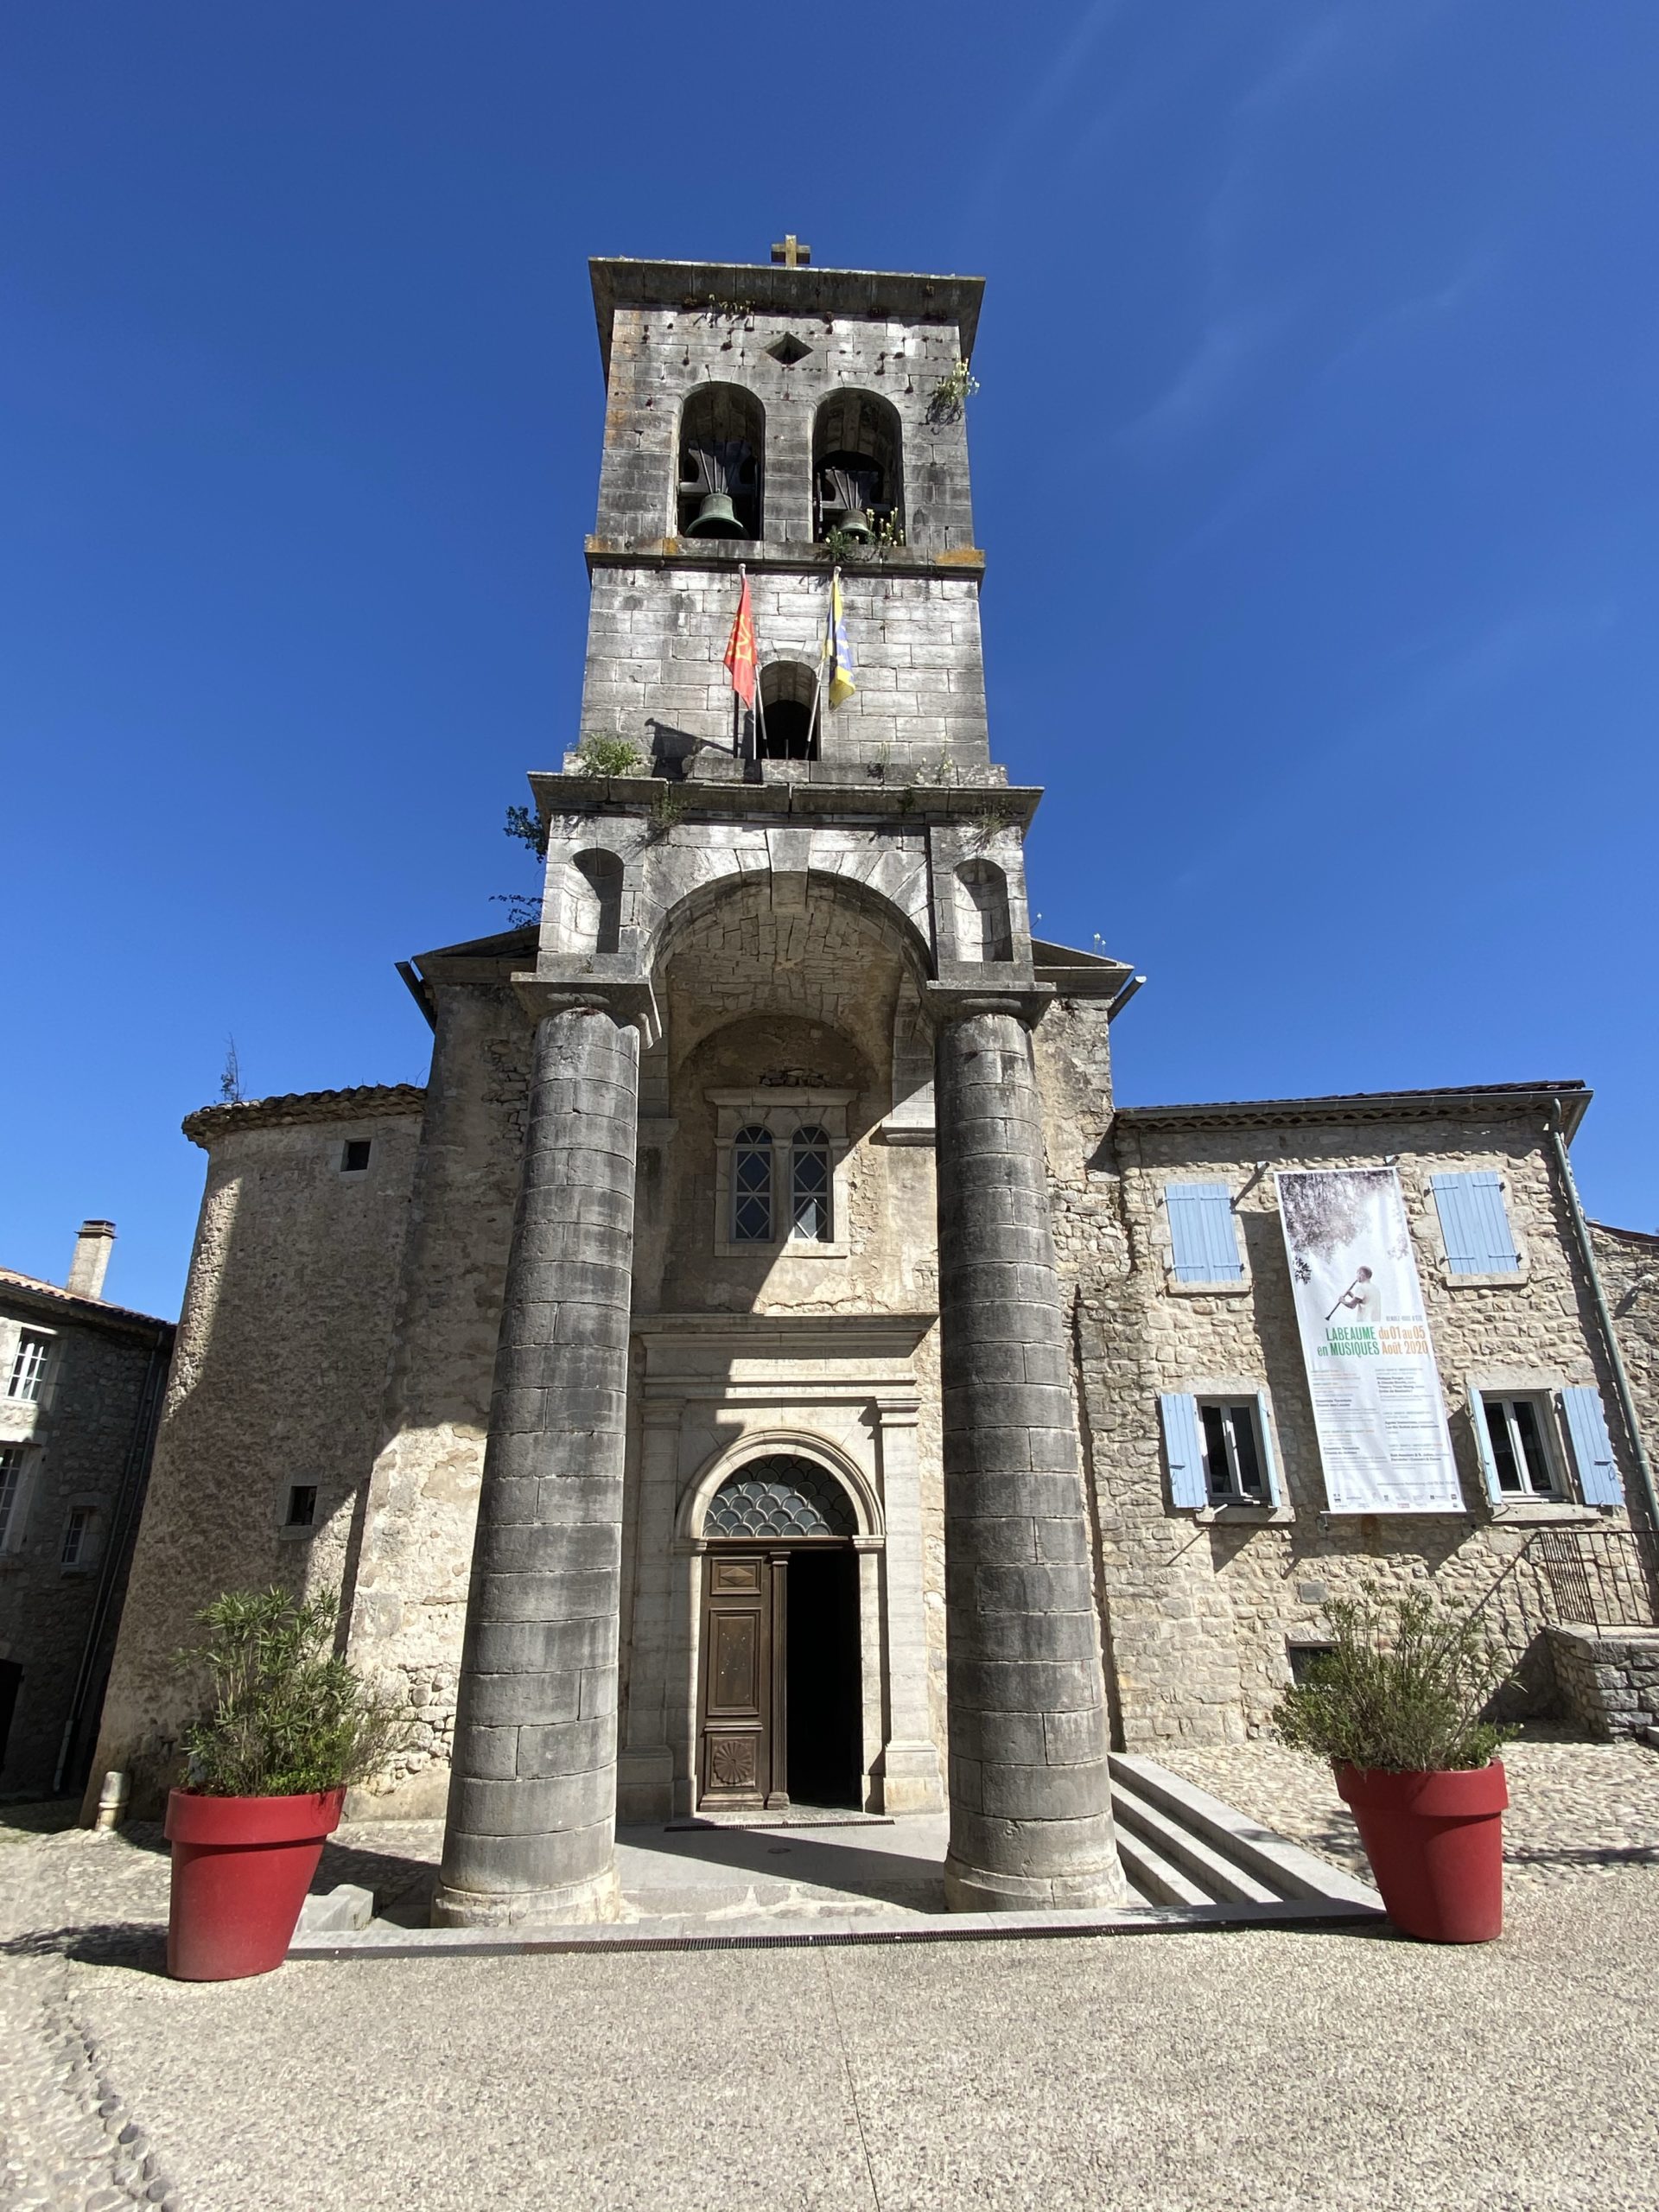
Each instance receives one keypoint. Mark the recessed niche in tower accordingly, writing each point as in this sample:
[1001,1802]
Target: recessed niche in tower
[722,448]
[788,691]
[789,349]
[857,472]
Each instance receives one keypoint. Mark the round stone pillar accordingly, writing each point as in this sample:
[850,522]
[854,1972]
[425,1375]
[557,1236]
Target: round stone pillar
[532,1793]
[1030,1822]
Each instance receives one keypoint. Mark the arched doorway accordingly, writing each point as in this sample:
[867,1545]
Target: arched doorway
[780,1698]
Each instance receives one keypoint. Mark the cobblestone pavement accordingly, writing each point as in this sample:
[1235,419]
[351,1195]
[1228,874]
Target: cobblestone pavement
[1575,1808]
[1278,2072]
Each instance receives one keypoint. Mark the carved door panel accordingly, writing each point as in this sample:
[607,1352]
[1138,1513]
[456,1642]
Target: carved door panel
[735,1717]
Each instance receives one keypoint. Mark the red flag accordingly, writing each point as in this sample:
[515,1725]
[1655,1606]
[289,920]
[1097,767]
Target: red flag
[739,650]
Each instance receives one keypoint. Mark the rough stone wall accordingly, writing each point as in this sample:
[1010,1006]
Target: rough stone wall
[659,356]
[421,1505]
[1607,1679]
[1201,1608]
[1628,1262]
[78,1440]
[655,673]
[658,626]
[278,1379]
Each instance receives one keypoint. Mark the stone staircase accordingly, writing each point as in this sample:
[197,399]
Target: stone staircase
[1181,1847]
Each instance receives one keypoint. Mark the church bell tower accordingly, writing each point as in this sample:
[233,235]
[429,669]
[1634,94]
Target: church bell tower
[784,462]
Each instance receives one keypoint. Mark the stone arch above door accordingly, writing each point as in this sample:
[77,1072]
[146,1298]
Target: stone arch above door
[865,1523]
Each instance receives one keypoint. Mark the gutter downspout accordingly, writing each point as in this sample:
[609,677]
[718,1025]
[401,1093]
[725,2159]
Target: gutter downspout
[1621,1380]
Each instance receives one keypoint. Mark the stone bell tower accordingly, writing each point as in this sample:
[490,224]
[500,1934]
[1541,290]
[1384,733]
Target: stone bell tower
[784,423]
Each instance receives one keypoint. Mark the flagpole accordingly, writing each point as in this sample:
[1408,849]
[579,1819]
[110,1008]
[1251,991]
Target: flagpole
[759,701]
[817,696]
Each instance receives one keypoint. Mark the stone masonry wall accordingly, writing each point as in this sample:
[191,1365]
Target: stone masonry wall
[278,1380]
[1201,1608]
[77,1442]
[655,671]
[421,1509]
[1607,1679]
[1627,1261]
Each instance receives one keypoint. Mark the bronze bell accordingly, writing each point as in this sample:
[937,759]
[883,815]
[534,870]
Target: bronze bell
[856,524]
[716,517]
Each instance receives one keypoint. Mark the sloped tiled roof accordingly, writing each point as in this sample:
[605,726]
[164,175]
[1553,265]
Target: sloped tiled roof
[365,1101]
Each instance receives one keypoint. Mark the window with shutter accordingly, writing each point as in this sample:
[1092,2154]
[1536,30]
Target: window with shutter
[1183,1450]
[1203,1233]
[1475,1223]
[1592,1448]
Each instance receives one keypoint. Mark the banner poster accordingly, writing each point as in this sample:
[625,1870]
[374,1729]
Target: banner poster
[1371,1366]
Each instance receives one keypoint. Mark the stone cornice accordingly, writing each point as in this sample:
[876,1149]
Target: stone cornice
[906,805]
[781,557]
[209,1125]
[859,294]
[1492,1101]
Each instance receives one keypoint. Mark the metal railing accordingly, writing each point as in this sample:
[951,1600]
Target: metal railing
[1583,1578]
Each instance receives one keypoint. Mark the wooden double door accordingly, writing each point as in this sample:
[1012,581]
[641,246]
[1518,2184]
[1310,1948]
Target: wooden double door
[780,1709]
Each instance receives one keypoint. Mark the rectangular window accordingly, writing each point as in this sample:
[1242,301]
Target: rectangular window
[77,1537]
[752,1185]
[11,1483]
[1203,1233]
[301,1505]
[29,1369]
[1219,1450]
[1232,1455]
[354,1156]
[1475,1223]
[1517,1452]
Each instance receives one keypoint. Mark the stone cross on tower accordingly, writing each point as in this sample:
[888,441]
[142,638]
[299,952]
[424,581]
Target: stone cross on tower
[790,253]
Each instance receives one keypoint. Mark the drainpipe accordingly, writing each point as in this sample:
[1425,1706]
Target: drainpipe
[1621,1380]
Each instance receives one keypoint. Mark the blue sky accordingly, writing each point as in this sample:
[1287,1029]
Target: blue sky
[1315,458]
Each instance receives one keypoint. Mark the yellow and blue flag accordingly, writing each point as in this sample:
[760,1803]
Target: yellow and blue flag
[836,652]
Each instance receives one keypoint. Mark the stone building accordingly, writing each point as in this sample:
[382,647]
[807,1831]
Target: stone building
[761,1338]
[82,1382]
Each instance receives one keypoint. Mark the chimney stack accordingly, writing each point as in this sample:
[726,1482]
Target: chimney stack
[91,1260]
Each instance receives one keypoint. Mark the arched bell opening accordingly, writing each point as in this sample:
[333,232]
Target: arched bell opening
[857,468]
[722,463]
[788,696]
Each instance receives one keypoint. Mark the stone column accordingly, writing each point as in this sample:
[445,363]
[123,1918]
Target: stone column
[533,1795]
[1030,1822]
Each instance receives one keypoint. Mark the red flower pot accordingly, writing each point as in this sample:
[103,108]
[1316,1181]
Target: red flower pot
[241,1867]
[1435,1842]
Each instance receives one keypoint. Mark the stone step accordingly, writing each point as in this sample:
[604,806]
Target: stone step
[1287,1869]
[1217,1877]
[1153,1877]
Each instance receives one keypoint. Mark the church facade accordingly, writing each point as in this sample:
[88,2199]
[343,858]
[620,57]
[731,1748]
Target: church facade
[760,1366]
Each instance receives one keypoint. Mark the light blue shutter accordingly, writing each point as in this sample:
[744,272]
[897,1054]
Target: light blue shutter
[1203,1233]
[1483,1448]
[1592,1448]
[1475,1223]
[1179,1415]
[1264,1440]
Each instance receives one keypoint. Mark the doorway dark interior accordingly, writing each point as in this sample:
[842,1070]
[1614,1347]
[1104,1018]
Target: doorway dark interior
[821,1678]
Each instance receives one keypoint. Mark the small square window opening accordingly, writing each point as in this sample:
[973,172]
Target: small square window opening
[28,1368]
[301,1505]
[1521,1457]
[354,1156]
[77,1537]
[1232,1453]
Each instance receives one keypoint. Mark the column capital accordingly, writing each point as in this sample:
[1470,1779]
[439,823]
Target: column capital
[631,1004]
[948,1003]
